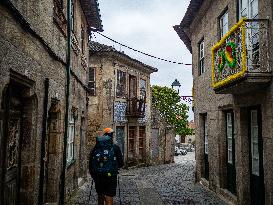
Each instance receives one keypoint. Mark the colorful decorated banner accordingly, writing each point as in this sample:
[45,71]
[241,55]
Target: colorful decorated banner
[229,56]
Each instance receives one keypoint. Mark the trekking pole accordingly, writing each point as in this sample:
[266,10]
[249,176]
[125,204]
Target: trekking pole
[119,191]
[90,193]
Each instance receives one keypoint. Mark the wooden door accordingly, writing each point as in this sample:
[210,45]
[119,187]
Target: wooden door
[12,147]
[142,137]
[131,142]
[256,157]
[230,150]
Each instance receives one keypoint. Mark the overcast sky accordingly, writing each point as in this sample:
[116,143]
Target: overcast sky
[147,25]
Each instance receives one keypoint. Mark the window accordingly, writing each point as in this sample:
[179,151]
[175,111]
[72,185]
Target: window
[229,128]
[142,88]
[255,143]
[70,141]
[72,15]
[248,8]
[223,24]
[82,39]
[92,81]
[201,57]
[121,84]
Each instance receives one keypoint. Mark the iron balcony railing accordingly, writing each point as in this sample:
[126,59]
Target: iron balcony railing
[243,50]
[135,107]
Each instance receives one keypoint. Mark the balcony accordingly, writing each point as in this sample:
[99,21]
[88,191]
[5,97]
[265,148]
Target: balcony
[135,107]
[240,60]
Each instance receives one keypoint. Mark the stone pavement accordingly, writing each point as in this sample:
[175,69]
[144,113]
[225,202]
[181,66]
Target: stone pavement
[156,185]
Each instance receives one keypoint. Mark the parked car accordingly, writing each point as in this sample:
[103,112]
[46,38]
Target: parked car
[179,151]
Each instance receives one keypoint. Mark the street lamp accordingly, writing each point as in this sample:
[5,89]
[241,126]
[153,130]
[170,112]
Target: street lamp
[176,83]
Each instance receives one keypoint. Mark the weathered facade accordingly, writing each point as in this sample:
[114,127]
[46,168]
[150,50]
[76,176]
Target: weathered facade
[120,98]
[231,46]
[162,139]
[33,64]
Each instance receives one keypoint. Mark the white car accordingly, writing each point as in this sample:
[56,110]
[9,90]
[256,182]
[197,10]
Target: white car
[179,151]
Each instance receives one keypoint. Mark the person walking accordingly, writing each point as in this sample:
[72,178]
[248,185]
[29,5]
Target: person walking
[105,160]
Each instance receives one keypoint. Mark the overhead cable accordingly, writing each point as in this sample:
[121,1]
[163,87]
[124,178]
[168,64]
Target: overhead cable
[162,59]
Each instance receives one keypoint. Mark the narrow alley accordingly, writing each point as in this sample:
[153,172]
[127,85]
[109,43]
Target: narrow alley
[164,184]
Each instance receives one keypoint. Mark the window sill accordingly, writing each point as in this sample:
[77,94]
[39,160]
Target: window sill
[70,163]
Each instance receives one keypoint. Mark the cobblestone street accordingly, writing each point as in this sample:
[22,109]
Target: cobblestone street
[158,185]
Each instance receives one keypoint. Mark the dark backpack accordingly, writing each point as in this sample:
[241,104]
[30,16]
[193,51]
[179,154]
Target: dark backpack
[103,159]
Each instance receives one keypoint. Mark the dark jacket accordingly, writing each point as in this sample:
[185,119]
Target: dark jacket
[118,155]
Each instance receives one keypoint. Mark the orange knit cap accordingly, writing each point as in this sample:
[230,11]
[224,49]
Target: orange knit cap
[108,130]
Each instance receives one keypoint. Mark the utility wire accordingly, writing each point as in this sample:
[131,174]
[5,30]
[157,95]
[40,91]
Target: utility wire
[162,59]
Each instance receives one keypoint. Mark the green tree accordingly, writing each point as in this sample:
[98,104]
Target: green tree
[167,102]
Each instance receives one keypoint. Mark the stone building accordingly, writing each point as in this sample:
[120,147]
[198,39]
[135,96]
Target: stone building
[162,139]
[120,98]
[231,46]
[34,169]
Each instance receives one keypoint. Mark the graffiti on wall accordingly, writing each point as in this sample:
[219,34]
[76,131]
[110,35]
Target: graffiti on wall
[119,112]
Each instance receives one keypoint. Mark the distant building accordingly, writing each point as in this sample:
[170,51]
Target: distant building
[33,62]
[162,139]
[189,139]
[120,98]
[231,44]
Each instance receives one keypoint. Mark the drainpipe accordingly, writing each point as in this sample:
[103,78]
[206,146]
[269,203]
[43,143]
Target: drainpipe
[43,140]
[67,96]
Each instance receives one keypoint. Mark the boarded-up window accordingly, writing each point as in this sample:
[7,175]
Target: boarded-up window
[121,84]
[92,81]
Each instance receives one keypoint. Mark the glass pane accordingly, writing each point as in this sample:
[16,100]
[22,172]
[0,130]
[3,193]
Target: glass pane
[230,144]
[254,117]
[254,134]
[254,8]
[230,157]
[255,167]
[244,4]
[91,74]
[255,151]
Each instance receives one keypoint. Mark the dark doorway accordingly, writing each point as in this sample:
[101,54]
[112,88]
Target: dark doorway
[230,151]
[256,156]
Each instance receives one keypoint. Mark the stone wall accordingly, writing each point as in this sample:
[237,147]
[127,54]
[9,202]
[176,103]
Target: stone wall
[206,26]
[162,140]
[33,54]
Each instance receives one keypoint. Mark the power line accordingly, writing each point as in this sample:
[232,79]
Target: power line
[162,59]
